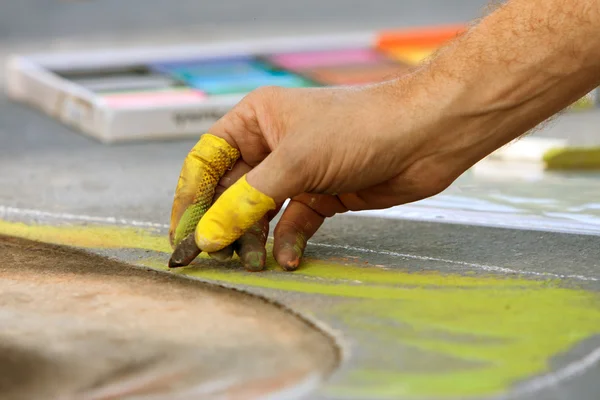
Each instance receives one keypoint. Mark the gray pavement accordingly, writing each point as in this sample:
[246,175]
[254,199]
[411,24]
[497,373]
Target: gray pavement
[47,168]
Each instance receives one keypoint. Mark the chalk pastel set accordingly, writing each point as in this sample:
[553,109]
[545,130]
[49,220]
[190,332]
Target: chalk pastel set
[168,92]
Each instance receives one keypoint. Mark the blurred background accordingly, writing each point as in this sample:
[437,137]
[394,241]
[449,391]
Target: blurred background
[69,20]
[73,163]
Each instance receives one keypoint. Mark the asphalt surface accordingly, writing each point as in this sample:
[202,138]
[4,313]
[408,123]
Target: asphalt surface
[52,175]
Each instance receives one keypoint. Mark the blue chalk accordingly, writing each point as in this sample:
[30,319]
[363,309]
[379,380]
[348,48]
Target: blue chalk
[244,84]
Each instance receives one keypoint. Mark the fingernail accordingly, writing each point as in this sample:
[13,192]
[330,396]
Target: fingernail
[288,259]
[254,261]
[292,265]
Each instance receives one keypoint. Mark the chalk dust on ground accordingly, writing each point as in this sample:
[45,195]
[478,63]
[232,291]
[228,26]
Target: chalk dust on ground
[79,326]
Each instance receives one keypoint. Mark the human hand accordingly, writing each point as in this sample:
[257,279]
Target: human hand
[330,150]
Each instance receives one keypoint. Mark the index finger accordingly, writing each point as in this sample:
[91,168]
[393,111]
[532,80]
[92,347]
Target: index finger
[203,167]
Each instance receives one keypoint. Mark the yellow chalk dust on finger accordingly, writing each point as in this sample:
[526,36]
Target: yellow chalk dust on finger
[204,166]
[238,208]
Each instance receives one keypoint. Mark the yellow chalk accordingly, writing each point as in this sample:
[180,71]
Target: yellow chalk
[573,158]
[412,55]
[238,208]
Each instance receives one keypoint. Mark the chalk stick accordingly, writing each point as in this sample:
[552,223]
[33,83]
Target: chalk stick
[215,70]
[411,54]
[247,84]
[552,154]
[156,98]
[572,158]
[421,37]
[305,60]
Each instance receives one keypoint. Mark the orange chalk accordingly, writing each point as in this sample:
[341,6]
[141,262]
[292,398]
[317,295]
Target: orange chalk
[421,37]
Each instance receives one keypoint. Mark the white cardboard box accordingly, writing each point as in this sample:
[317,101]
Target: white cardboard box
[31,80]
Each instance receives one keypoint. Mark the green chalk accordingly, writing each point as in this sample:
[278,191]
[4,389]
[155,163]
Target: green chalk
[572,158]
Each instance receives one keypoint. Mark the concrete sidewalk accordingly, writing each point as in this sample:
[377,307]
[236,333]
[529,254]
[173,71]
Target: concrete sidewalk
[423,309]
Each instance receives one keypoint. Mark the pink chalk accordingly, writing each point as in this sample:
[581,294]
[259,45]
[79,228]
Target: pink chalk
[296,61]
[156,98]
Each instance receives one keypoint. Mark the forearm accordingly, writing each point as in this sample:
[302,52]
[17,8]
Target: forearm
[520,65]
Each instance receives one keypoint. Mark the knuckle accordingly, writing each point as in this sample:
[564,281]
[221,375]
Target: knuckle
[255,119]
[242,117]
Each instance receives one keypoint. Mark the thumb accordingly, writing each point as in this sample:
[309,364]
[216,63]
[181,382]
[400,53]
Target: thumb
[245,202]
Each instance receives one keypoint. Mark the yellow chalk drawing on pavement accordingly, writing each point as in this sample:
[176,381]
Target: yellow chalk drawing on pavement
[424,334]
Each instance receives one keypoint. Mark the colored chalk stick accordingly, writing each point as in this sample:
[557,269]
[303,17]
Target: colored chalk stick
[234,76]
[245,84]
[154,98]
[412,55]
[305,60]
[573,158]
[552,153]
[236,80]
[191,76]
[422,37]
[215,70]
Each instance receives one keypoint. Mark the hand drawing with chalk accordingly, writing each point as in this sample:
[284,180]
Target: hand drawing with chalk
[331,150]
[291,157]
[336,149]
